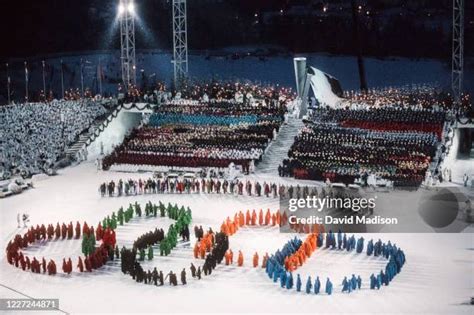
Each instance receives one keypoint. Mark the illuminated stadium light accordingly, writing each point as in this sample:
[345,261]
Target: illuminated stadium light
[121,9]
[131,7]
[126,6]
[126,18]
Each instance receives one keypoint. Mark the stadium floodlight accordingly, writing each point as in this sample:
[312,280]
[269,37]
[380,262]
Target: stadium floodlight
[127,42]
[131,7]
[121,9]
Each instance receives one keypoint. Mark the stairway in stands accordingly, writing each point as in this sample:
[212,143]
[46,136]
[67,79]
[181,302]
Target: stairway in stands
[72,150]
[278,149]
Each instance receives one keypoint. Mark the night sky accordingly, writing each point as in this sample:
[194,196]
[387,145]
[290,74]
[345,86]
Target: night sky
[36,27]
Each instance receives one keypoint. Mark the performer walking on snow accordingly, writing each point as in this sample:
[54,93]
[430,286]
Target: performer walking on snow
[25,219]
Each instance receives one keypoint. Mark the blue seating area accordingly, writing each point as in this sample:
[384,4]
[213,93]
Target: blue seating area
[160,119]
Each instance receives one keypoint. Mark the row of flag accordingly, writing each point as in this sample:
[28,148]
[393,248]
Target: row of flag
[48,71]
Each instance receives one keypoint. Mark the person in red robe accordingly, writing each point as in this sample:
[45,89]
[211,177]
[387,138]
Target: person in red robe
[51,268]
[50,231]
[78,230]
[28,263]
[35,266]
[88,264]
[22,262]
[108,237]
[99,232]
[43,232]
[65,270]
[57,231]
[70,231]
[85,228]
[80,265]
[93,261]
[63,231]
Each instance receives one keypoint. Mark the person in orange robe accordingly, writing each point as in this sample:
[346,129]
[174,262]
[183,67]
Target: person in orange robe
[202,251]
[231,253]
[295,262]
[260,218]
[241,218]
[227,258]
[210,242]
[247,218]
[255,260]
[264,261]
[307,249]
[225,228]
[240,260]
[267,217]
[283,219]
[300,259]
[306,228]
[288,263]
[236,220]
[236,225]
[254,217]
[273,219]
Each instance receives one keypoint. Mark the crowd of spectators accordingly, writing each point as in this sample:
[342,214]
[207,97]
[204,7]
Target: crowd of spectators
[34,136]
[392,134]
[243,91]
[409,97]
[197,129]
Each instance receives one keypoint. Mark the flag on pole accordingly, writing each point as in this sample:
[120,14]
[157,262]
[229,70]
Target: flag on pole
[26,72]
[26,82]
[100,76]
[100,72]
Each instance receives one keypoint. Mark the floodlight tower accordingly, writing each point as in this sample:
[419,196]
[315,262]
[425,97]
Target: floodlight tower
[126,11]
[180,42]
[458,49]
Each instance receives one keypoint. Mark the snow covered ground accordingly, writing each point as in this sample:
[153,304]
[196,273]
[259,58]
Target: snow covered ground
[437,278]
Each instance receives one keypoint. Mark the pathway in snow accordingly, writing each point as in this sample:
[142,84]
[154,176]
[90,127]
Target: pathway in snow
[278,149]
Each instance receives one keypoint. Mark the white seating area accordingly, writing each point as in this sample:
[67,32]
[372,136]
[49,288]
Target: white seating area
[34,136]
